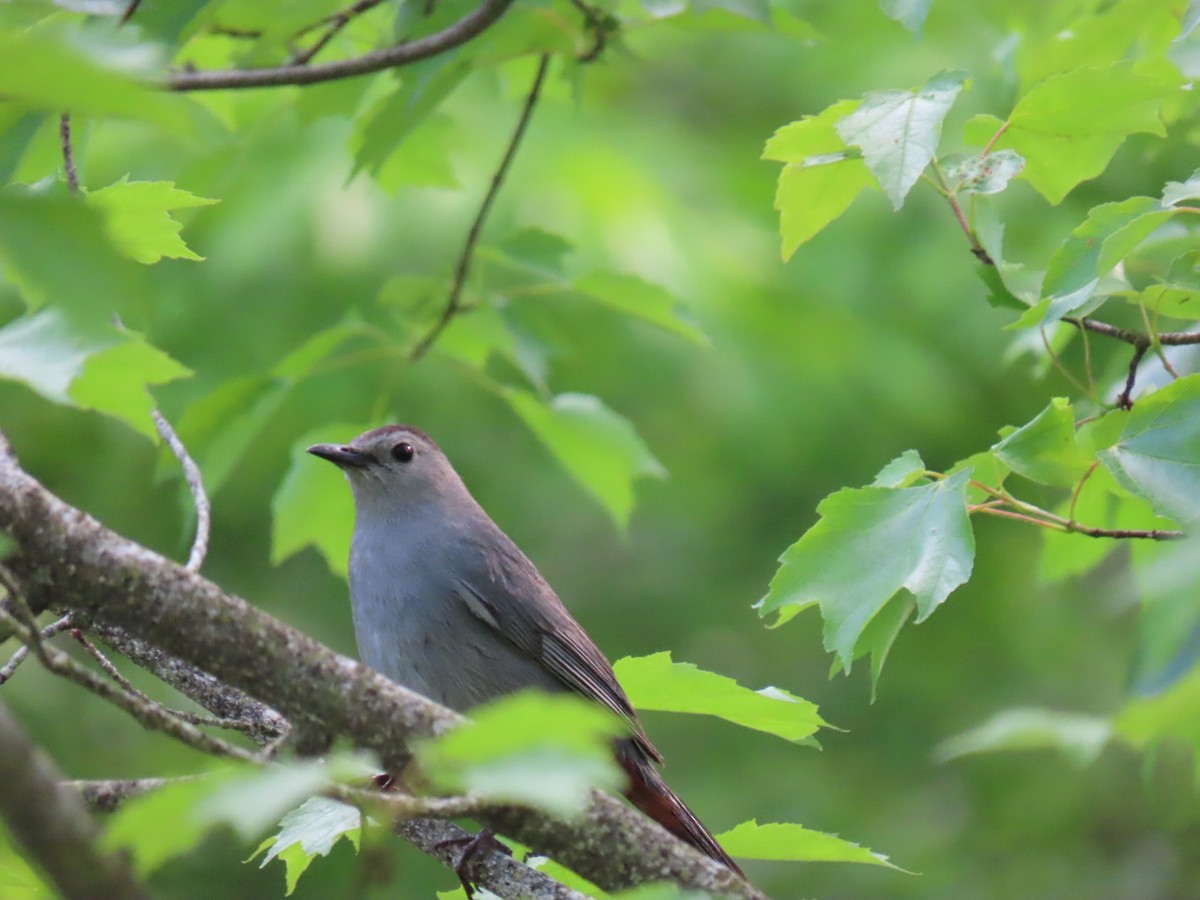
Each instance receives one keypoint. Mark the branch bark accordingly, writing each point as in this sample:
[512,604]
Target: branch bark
[65,558]
[466,28]
[51,820]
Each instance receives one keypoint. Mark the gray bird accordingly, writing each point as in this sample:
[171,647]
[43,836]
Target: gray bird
[445,604]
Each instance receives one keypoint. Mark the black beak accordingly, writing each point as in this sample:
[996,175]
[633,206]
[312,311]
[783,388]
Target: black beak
[343,457]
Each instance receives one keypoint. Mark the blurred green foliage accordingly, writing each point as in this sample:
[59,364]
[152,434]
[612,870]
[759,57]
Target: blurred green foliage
[759,386]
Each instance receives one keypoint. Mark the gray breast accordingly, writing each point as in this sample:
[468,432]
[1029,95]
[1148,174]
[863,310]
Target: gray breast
[413,625]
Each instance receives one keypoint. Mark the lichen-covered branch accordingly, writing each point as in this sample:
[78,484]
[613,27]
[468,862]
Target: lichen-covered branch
[66,559]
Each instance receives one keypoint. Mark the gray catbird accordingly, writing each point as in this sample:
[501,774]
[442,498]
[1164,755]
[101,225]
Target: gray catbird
[445,604]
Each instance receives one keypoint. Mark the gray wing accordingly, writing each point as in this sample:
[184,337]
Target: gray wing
[508,593]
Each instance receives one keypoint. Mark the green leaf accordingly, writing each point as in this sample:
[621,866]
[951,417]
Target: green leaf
[422,89]
[982,174]
[1079,737]
[1109,234]
[984,468]
[311,830]
[1055,128]
[1167,576]
[795,843]
[86,71]
[115,381]
[1102,503]
[821,179]
[108,369]
[1045,449]
[39,232]
[1178,295]
[898,131]
[909,13]
[1174,713]
[1158,454]
[1175,192]
[655,682]
[597,447]
[544,750]
[313,506]
[137,218]
[538,250]
[20,880]
[43,352]
[902,471]
[1010,285]
[662,891]
[168,821]
[870,543]
[632,296]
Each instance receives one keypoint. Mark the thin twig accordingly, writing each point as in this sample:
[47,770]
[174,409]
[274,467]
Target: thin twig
[147,712]
[599,24]
[466,28]
[7,670]
[995,137]
[1151,331]
[129,11]
[1087,363]
[231,708]
[1125,398]
[109,794]
[1058,363]
[334,23]
[195,483]
[124,683]
[463,268]
[68,155]
[1079,490]
[1136,338]
[1074,528]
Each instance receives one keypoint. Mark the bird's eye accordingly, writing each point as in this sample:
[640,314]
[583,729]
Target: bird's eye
[403,451]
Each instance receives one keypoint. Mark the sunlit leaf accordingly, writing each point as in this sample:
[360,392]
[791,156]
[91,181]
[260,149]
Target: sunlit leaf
[311,830]
[544,750]
[821,178]
[870,543]
[655,682]
[898,131]
[1056,129]
[785,841]
[596,446]
[137,218]
[635,297]
[107,369]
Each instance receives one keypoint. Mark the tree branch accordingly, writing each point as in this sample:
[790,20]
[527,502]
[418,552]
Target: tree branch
[463,268]
[466,28]
[51,821]
[261,723]
[65,557]
[195,483]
